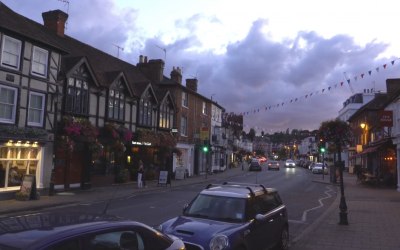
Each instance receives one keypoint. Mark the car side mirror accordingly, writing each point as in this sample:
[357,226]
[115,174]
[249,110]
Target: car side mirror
[260,217]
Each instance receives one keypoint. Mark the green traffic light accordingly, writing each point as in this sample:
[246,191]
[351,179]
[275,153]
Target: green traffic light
[205,149]
[322,150]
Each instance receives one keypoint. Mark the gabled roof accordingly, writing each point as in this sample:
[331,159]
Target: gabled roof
[100,62]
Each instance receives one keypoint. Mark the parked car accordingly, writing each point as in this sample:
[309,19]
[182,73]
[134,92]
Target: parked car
[56,231]
[255,166]
[319,168]
[273,165]
[232,216]
[290,163]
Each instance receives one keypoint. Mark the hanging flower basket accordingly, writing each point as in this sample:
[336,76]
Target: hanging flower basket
[73,130]
[115,136]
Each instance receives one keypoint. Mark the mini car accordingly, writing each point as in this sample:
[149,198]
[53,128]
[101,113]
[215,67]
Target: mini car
[55,231]
[232,216]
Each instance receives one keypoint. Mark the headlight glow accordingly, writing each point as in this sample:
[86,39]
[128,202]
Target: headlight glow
[219,242]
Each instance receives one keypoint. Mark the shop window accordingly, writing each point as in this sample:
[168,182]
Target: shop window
[15,162]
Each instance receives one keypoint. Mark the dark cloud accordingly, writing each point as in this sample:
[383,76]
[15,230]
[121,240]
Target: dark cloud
[295,83]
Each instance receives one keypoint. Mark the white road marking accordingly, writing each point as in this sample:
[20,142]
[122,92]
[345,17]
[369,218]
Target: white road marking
[321,204]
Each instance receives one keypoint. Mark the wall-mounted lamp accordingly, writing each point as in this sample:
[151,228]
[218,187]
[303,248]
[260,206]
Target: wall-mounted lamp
[363,125]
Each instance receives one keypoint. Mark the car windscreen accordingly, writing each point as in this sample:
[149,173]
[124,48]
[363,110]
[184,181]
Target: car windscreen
[217,208]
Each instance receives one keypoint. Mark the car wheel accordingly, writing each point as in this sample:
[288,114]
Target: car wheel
[283,243]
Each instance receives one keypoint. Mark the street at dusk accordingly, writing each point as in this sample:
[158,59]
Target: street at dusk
[213,125]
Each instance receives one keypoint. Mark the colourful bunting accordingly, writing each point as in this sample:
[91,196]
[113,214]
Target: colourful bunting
[384,66]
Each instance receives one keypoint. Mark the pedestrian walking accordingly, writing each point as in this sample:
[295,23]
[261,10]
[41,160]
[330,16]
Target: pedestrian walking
[140,174]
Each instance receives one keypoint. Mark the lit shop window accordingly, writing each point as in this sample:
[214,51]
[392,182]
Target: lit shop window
[16,160]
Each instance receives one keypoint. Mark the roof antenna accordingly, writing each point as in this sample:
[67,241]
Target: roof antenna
[165,52]
[66,2]
[118,49]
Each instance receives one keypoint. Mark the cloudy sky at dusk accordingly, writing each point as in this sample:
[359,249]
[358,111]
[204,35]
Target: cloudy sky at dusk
[283,64]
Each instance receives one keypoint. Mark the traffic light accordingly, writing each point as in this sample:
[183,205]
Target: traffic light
[321,145]
[206,146]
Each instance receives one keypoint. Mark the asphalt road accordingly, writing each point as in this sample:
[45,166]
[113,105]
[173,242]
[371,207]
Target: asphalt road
[305,199]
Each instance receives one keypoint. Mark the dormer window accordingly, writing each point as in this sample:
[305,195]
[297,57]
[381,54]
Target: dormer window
[146,110]
[166,115]
[116,102]
[77,97]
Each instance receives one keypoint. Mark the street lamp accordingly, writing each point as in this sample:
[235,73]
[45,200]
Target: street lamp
[342,206]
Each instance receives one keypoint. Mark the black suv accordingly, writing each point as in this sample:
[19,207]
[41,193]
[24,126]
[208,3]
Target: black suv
[232,216]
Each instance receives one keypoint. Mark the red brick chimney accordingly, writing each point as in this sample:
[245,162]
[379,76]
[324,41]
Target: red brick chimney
[176,75]
[192,84]
[55,21]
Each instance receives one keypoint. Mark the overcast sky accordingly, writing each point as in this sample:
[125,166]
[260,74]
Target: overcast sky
[283,64]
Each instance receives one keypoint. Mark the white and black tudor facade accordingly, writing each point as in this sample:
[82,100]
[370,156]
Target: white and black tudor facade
[72,115]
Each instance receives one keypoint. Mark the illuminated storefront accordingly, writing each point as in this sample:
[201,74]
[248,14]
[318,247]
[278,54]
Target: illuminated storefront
[19,158]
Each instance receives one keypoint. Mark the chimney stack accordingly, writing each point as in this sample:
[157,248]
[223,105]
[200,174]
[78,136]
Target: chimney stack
[152,69]
[192,84]
[176,75]
[55,21]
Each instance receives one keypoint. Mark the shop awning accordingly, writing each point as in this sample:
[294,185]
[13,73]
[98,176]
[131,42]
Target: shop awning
[380,144]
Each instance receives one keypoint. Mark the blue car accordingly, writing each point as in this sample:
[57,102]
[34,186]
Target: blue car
[232,216]
[54,231]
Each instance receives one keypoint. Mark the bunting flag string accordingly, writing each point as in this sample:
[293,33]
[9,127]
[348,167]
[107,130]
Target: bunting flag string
[307,96]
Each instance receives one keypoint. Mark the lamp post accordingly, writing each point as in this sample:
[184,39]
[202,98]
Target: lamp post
[342,206]
[339,133]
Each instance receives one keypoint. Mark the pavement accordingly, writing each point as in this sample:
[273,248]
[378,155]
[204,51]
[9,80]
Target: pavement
[373,212]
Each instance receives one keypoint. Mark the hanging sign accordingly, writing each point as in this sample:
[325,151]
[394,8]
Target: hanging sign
[386,118]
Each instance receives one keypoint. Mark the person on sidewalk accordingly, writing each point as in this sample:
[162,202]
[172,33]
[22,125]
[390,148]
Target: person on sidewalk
[140,174]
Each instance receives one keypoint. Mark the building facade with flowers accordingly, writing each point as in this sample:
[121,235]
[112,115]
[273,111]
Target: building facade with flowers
[74,116]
